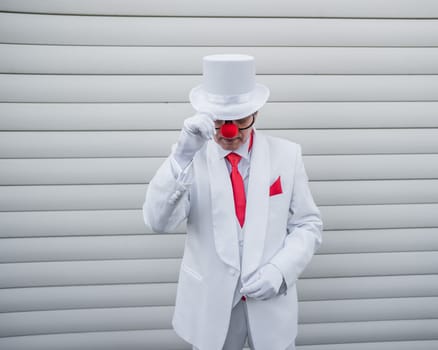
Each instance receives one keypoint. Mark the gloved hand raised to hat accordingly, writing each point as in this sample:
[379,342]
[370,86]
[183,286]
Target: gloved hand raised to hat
[196,130]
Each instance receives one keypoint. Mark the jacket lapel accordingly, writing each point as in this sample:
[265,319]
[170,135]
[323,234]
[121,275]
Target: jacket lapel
[222,204]
[257,206]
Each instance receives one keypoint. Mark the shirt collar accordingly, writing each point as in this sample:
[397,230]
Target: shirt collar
[241,151]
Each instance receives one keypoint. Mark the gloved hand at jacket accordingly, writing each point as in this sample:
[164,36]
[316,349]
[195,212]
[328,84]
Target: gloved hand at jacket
[264,284]
[196,130]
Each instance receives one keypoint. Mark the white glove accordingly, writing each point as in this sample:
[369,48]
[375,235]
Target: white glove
[264,284]
[195,132]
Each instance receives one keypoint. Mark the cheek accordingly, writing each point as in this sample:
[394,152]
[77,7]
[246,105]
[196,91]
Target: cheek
[245,135]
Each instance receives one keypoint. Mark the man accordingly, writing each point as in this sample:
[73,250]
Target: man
[252,224]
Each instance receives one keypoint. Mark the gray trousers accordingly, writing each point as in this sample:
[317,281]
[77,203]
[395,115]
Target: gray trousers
[238,330]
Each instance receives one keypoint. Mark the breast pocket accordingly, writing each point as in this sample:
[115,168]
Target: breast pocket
[276,187]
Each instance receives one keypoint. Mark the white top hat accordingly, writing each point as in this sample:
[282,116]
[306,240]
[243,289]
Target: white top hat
[229,90]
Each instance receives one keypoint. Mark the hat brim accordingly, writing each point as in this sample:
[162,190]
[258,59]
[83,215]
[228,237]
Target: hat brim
[259,96]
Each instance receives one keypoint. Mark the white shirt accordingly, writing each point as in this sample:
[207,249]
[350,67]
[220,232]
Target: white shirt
[244,162]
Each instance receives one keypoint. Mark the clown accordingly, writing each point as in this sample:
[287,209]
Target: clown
[252,224]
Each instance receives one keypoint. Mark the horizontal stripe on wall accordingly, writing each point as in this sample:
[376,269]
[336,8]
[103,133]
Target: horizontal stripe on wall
[378,216]
[167,339]
[60,321]
[164,294]
[170,116]
[245,8]
[140,170]
[171,245]
[151,317]
[64,59]
[128,31]
[111,340]
[368,310]
[95,296]
[374,192]
[387,345]
[91,144]
[123,222]
[92,222]
[87,197]
[94,272]
[367,287]
[284,88]
[345,332]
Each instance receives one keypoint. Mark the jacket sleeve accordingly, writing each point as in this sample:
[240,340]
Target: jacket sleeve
[167,201]
[304,228]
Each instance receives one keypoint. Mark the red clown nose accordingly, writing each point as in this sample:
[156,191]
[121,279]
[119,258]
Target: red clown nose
[229,130]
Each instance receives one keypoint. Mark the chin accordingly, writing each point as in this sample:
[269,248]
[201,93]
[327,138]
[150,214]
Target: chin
[229,148]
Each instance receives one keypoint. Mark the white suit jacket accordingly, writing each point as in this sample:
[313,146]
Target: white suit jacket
[283,229]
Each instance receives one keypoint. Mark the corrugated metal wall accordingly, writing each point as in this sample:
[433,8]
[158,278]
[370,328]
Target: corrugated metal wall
[92,95]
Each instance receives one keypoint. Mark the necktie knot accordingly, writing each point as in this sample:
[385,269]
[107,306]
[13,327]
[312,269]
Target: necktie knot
[234,159]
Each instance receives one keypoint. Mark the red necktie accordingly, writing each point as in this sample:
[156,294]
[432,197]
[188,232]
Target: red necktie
[238,187]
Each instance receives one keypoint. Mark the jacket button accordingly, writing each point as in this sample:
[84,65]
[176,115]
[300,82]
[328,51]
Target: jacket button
[243,298]
[232,272]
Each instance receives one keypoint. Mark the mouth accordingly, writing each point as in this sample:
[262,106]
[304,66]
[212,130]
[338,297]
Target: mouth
[229,140]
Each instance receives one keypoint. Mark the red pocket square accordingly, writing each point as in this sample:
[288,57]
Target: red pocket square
[276,187]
